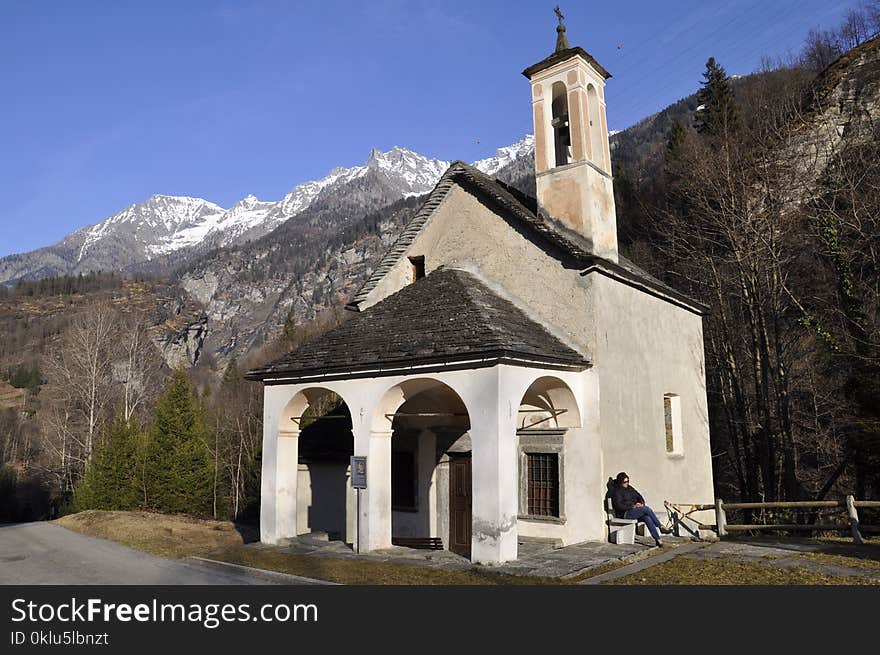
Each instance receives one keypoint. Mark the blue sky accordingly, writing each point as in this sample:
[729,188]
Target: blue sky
[106,103]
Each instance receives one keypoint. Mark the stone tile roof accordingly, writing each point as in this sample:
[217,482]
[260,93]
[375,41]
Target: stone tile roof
[447,317]
[523,209]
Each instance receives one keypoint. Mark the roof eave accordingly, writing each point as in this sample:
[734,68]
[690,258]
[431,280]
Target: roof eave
[420,365]
[661,291]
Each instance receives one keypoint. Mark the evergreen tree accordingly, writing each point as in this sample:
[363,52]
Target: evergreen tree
[290,332]
[231,376]
[718,114]
[26,377]
[675,139]
[112,480]
[179,468]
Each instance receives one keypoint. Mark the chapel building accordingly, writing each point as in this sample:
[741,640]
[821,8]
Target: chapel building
[501,363]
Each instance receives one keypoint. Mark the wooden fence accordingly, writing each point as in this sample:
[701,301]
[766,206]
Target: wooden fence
[850,523]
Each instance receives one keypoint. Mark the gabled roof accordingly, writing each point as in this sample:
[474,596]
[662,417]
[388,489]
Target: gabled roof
[449,317]
[523,210]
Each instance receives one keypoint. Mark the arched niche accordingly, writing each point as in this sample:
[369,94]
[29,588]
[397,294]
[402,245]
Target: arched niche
[548,403]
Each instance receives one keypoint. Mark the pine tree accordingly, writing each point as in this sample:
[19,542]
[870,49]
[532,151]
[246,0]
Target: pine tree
[675,139]
[179,468]
[231,376]
[290,332]
[112,480]
[718,115]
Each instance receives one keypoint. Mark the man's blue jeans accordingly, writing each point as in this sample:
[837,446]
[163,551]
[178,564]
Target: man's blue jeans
[646,515]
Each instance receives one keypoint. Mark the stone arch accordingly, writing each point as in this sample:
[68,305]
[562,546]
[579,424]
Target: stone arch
[320,420]
[418,392]
[300,404]
[430,452]
[548,402]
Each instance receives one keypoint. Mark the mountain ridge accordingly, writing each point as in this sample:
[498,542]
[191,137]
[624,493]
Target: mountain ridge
[177,228]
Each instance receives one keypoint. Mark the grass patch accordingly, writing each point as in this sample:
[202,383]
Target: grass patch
[833,550]
[365,572]
[850,561]
[165,535]
[693,571]
[597,570]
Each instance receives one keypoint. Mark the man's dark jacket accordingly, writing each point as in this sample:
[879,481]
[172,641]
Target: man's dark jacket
[624,498]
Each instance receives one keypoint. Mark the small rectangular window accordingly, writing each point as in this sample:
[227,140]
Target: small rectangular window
[418,267]
[543,479]
[672,423]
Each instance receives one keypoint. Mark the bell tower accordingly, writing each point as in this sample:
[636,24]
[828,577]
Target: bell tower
[572,155]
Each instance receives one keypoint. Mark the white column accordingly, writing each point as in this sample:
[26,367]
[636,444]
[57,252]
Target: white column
[494,475]
[375,510]
[427,480]
[350,509]
[286,470]
[271,412]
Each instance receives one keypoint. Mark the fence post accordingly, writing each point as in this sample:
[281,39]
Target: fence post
[720,518]
[853,519]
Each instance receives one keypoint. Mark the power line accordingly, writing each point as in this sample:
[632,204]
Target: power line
[632,87]
[637,64]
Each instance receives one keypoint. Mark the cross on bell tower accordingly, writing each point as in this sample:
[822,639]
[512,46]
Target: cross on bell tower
[572,154]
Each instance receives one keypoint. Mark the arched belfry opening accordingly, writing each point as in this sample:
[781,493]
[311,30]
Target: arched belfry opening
[560,124]
[595,119]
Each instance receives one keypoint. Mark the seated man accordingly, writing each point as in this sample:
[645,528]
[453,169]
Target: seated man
[631,505]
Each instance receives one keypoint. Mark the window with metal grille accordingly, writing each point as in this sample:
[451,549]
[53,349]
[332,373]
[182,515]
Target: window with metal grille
[543,472]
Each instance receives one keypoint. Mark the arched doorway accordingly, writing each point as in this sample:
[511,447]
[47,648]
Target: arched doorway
[431,488]
[321,420]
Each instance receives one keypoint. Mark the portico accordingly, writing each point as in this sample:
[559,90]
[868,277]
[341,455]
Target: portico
[435,416]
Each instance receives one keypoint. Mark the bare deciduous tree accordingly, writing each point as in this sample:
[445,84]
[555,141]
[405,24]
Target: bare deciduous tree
[81,369]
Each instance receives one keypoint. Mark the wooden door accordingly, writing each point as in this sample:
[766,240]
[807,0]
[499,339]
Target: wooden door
[460,504]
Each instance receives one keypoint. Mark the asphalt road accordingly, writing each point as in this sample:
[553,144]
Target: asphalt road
[44,553]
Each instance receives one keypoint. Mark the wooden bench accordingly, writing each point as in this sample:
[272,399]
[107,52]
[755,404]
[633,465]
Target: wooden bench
[421,543]
[620,531]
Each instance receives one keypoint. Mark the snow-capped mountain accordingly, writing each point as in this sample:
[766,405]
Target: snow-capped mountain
[164,231]
[506,156]
[161,224]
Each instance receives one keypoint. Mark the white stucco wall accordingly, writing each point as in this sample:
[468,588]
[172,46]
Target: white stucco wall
[644,348]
